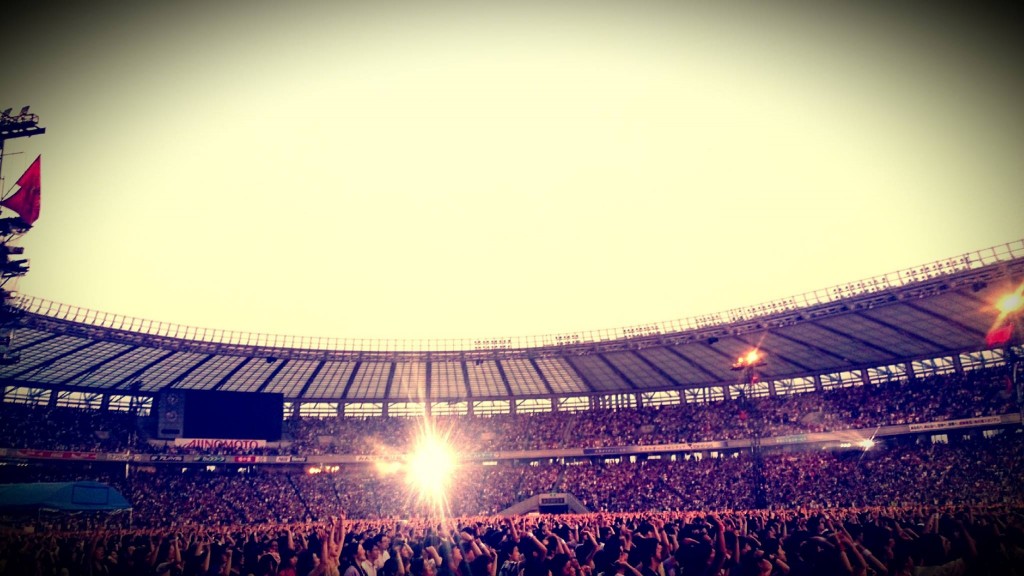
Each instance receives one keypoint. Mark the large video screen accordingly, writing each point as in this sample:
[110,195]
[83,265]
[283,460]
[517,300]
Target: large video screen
[233,415]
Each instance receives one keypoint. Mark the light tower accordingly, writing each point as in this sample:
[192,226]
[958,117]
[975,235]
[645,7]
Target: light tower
[25,203]
[747,366]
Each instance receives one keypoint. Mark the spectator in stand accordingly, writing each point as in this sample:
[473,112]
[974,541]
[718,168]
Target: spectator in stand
[980,392]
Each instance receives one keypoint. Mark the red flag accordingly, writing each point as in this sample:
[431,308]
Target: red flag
[999,336]
[26,200]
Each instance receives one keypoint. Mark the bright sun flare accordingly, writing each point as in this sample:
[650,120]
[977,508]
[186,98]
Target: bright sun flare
[430,467]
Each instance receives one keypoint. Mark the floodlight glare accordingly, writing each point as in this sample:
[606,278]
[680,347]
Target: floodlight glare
[749,360]
[1010,303]
[1009,306]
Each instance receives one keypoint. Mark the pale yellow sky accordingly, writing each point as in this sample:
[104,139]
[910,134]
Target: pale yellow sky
[437,170]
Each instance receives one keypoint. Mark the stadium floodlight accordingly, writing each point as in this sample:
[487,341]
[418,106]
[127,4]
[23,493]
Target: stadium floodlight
[13,225]
[751,359]
[1010,303]
[1004,334]
[19,125]
[12,268]
[1009,306]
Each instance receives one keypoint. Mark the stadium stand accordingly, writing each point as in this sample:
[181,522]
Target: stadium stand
[897,449]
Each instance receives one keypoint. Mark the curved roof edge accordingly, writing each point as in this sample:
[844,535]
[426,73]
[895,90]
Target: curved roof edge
[110,326]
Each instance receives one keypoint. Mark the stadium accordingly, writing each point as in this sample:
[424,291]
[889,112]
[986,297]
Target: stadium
[512,170]
[896,398]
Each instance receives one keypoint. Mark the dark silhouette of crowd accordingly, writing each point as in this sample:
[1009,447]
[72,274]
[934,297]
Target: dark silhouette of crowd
[896,540]
[907,505]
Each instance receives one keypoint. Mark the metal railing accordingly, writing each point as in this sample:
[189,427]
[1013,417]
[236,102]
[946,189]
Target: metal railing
[970,261]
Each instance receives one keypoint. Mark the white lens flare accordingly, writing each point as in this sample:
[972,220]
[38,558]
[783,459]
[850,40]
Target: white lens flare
[429,469]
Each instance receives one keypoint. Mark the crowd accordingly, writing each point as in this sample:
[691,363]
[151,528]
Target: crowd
[802,541]
[944,397]
[58,428]
[904,506]
[981,471]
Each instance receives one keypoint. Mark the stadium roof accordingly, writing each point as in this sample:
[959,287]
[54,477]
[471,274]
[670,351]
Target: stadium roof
[938,309]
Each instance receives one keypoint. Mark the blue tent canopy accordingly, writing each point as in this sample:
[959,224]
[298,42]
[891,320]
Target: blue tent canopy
[69,496]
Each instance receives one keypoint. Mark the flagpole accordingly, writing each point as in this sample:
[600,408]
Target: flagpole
[2,156]
[4,197]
